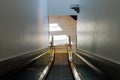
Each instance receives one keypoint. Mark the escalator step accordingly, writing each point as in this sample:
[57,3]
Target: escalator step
[60,69]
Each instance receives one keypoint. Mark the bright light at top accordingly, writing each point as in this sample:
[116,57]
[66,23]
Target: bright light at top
[53,24]
[50,38]
[54,27]
[60,37]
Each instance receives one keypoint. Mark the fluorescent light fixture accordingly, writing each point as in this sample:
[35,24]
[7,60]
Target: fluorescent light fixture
[54,27]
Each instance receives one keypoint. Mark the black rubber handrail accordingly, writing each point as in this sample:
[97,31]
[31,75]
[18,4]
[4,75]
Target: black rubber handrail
[22,66]
[46,70]
[74,71]
[89,64]
[72,66]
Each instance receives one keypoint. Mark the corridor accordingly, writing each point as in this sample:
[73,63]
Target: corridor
[59,40]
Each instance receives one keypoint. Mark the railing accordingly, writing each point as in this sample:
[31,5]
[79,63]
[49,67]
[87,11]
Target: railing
[73,68]
[47,68]
[88,63]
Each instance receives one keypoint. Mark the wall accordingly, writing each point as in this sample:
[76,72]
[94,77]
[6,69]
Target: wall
[98,35]
[23,33]
[98,28]
[23,27]
[61,7]
[68,26]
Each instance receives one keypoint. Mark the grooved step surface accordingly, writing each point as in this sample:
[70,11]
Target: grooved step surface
[60,69]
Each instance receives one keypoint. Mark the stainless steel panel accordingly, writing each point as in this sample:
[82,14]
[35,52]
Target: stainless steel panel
[98,28]
[23,27]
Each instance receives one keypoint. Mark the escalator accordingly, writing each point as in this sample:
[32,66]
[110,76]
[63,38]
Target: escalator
[60,69]
[31,71]
[85,71]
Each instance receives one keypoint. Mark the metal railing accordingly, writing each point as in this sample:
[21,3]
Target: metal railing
[47,68]
[98,71]
[72,65]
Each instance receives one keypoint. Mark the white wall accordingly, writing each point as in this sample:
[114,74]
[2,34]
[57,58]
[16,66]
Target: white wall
[61,7]
[68,26]
[23,27]
[99,28]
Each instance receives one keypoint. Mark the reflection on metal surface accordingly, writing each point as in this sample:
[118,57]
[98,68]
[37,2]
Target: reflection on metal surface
[91,65]
[75,73]
[44,73]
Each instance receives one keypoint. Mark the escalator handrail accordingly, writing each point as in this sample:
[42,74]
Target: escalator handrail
[37,57]
[46,70]
[72,66]
[90,65]
[74,71]
[4,77]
